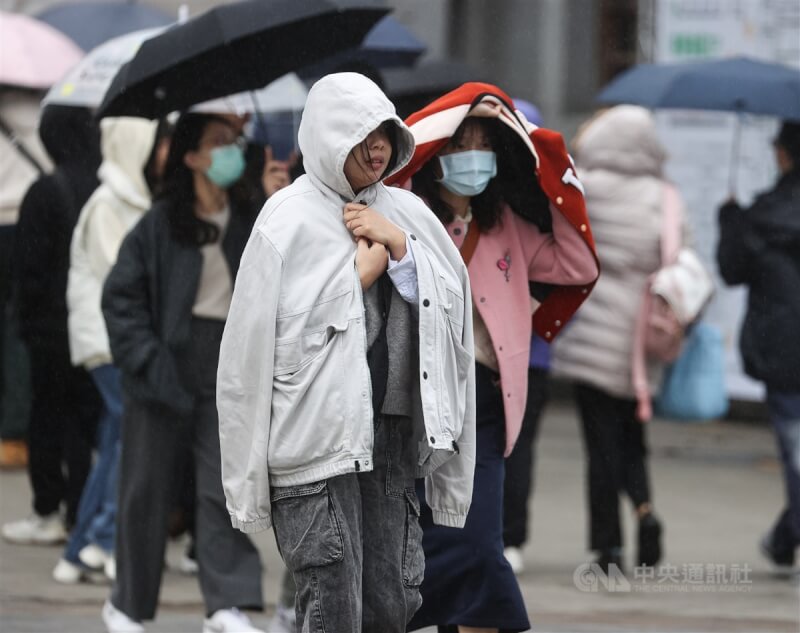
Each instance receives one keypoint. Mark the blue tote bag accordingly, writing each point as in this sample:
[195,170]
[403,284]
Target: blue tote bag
[694,385]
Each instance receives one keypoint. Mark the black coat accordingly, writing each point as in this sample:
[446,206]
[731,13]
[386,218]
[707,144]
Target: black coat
[147,304]
[760,248]
[47,217]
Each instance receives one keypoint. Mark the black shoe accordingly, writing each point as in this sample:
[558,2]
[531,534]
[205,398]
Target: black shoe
[610,557]
[783,560]
[649,541]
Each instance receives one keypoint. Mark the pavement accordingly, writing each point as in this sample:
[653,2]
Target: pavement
[717,487]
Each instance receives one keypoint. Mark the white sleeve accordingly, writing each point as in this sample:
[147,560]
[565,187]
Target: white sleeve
[244,385]
[404,276]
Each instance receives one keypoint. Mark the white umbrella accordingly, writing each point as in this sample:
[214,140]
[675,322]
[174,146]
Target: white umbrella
[286,94]
[87,81]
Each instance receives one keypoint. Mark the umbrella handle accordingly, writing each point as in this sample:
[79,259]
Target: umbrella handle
[735,151]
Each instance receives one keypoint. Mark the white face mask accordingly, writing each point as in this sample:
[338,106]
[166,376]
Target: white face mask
[468,173]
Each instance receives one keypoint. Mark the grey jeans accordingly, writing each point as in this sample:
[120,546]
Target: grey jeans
[353,543]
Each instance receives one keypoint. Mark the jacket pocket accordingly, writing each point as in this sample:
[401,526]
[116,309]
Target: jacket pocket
[307,530]
[308,400]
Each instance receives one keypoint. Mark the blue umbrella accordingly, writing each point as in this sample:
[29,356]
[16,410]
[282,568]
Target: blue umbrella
[388,44]
[739,84]
[89,24]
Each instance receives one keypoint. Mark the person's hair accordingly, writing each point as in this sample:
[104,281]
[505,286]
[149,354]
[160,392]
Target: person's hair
[515,183]
[390,127]
[178,184]
[789,139]
[152,178]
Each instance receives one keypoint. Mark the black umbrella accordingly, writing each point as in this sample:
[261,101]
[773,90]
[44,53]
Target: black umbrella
[233,48]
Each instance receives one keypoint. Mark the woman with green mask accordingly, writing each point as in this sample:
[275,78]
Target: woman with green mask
[165,303]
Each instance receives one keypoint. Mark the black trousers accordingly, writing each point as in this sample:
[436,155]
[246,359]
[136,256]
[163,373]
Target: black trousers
[521,463]
[615,447]
[154,440]
[65,407]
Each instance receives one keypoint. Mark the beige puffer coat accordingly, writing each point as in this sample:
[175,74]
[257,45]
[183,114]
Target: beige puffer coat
[619,161]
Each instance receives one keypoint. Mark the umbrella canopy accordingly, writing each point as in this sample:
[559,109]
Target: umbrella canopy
[233,48]
[285,94]
[738,84]
[33,54]
[388,44]
[89,24]
[411,89]
[87,82]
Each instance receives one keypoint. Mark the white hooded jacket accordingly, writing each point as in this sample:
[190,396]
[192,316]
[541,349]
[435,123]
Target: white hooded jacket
[293,386]
[116,205]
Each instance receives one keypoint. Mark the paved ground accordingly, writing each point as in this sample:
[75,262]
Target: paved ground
[717,487]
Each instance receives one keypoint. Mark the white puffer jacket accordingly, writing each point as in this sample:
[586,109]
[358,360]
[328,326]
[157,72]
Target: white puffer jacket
[619,161]
[113,209]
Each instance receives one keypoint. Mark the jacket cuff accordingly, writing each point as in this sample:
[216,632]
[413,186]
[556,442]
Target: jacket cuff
[251,527]
[449,520]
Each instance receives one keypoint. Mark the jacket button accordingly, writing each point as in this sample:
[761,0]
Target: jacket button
[425,375]
[433,440]
[559,200]
[548,334]
[426,303]
[585,291]
[583,228]
[558,323]
[412,236]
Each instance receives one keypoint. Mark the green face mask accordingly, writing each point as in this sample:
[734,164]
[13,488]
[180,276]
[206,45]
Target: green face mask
[227,165]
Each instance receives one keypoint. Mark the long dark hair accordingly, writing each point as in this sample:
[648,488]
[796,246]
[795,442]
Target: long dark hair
[178,184]
[515,183]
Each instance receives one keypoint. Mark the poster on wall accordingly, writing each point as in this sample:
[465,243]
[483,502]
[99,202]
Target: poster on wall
[701,144]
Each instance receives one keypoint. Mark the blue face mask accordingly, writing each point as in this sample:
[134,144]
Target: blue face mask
[468,173]
[227,165]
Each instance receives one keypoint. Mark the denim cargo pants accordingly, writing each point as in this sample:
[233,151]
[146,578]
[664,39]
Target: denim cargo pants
[353,542]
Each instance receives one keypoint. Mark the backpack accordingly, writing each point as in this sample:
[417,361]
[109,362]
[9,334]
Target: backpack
[674,297]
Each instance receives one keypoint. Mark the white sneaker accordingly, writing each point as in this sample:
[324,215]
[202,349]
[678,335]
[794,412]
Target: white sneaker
[229,621]
[36,530]
[284,621]
[514,557]
[67,573]
[110,568]
[117,622]
[94,556]
[188,565]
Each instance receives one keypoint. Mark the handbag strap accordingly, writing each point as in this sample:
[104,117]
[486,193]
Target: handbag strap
[470,244]
[671,224]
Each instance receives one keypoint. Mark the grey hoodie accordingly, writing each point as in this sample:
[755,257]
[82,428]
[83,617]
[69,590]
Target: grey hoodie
[293,386]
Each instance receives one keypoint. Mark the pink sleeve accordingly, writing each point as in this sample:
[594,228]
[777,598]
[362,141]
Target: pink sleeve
[562,257]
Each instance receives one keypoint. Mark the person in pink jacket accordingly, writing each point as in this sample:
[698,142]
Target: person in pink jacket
[478,168]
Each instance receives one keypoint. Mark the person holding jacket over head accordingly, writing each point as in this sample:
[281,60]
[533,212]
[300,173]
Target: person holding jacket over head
[346,370]
[124,195]
[165,302]
[506,193]
[759,247]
